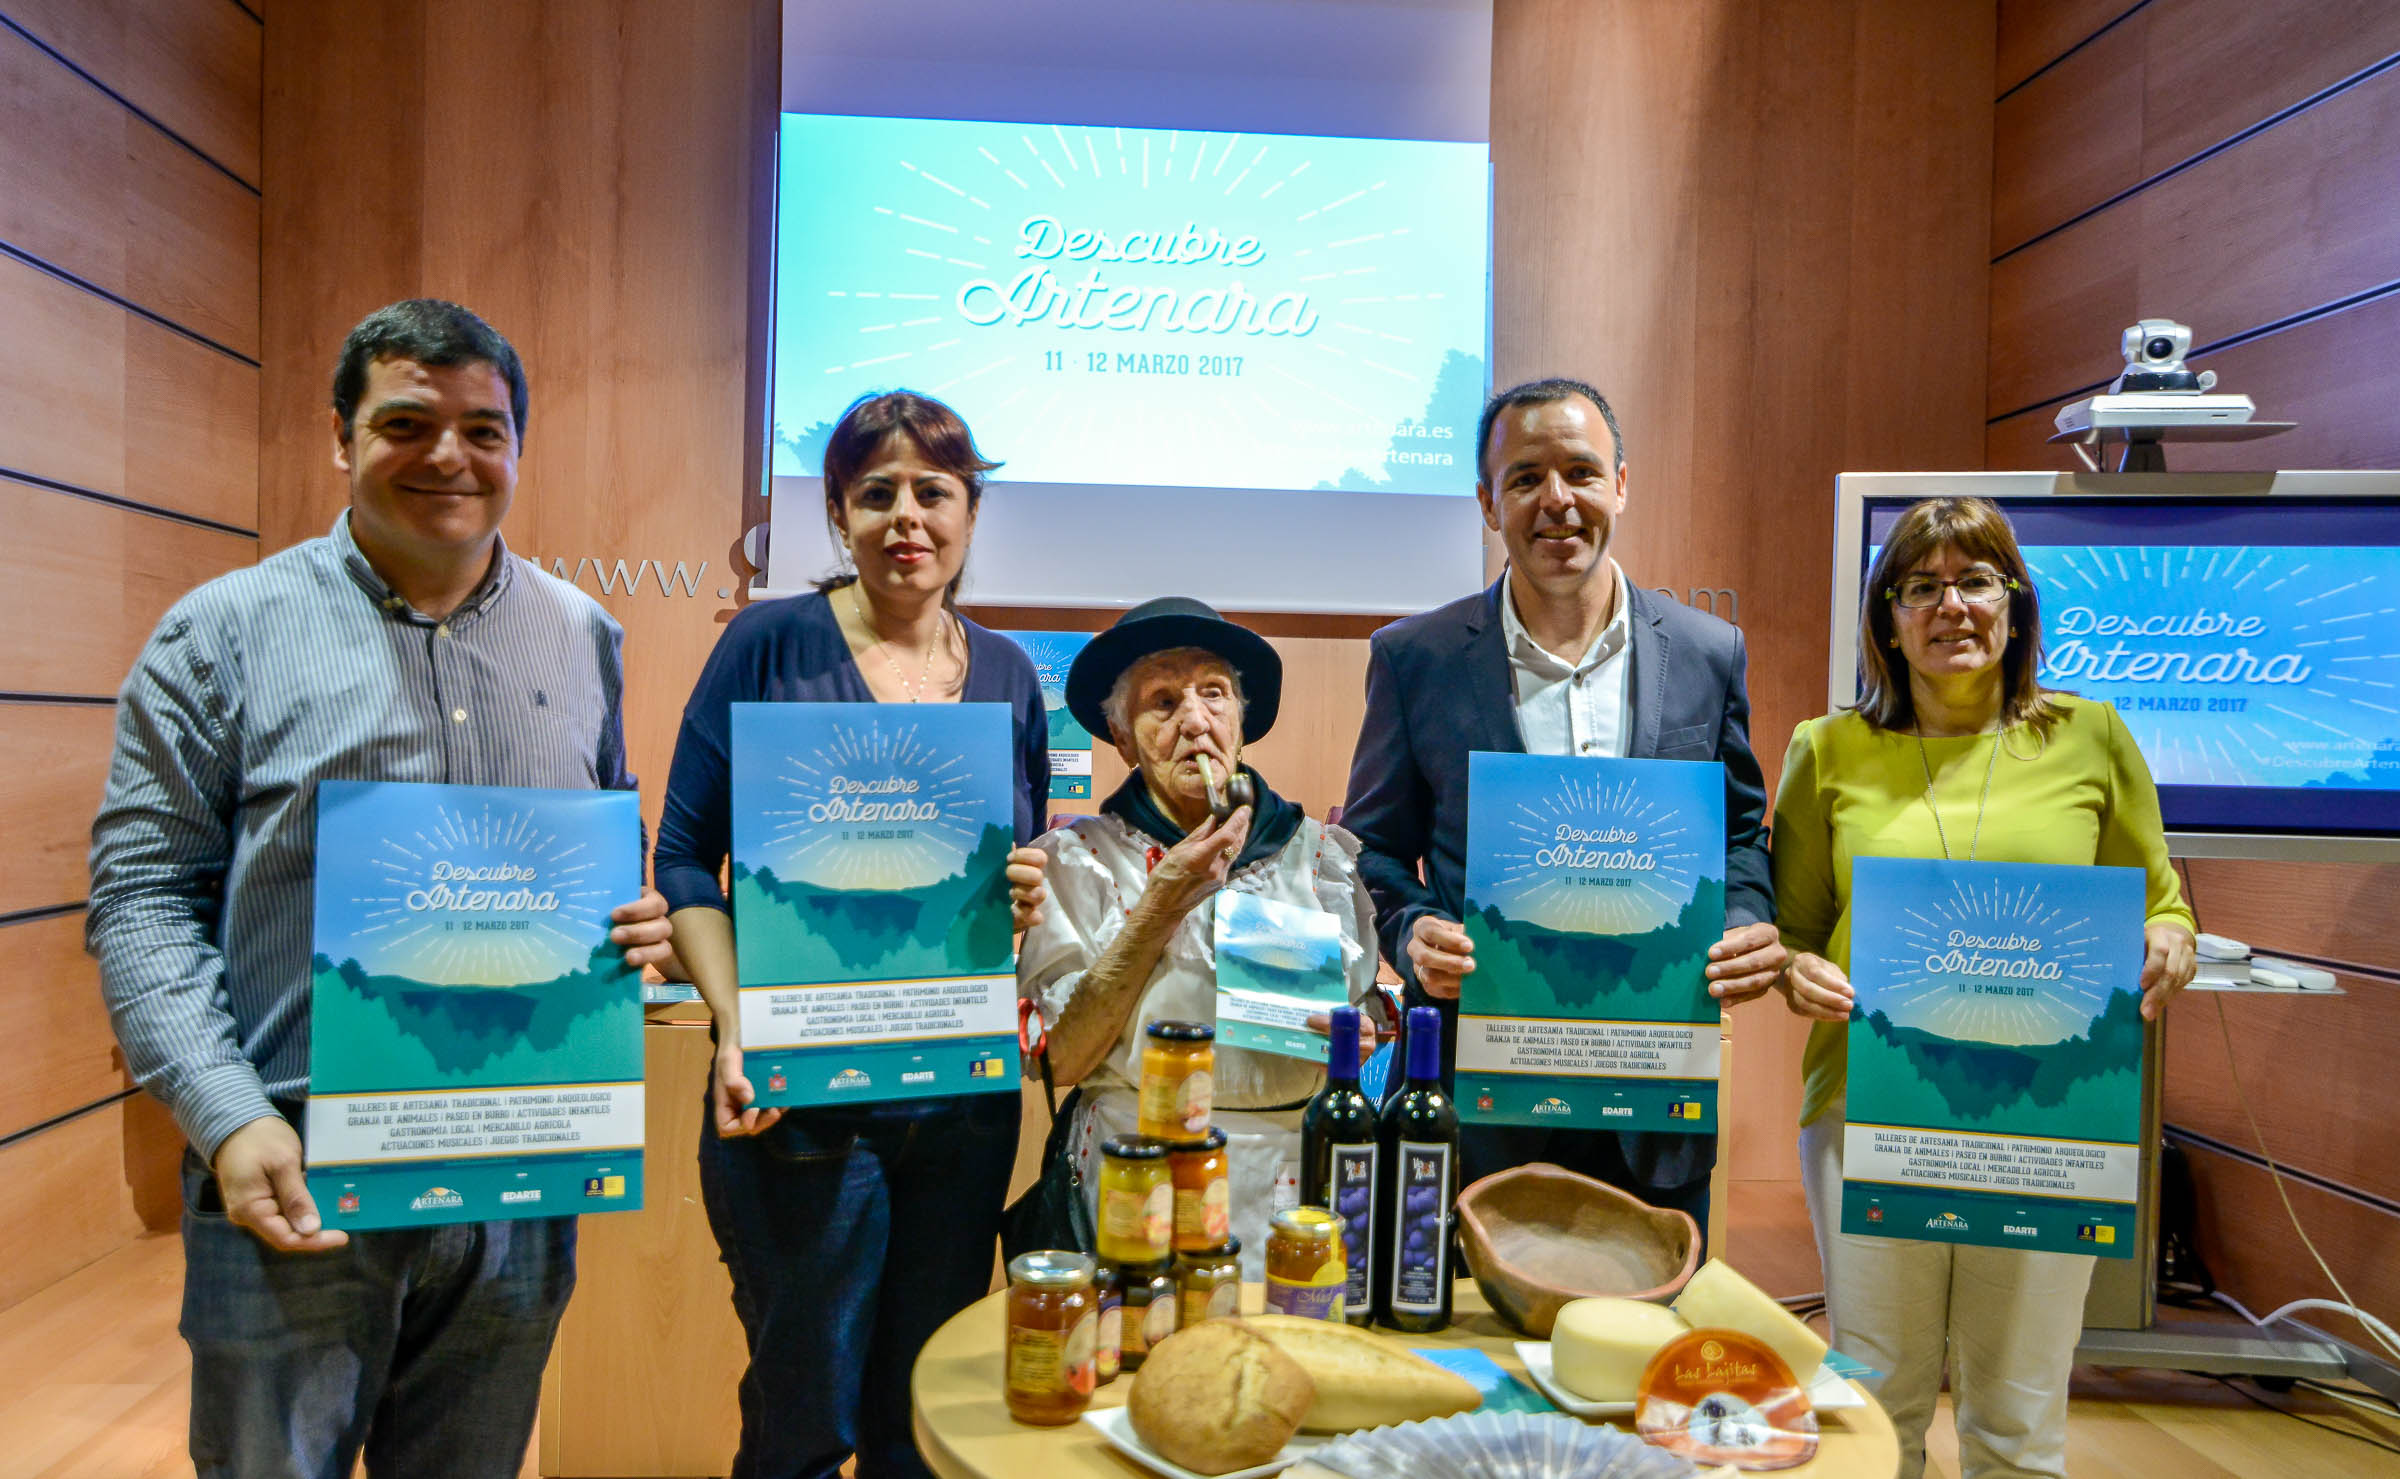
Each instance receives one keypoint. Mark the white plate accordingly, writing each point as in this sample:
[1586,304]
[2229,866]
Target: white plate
[1826,1391]
[1116,1425]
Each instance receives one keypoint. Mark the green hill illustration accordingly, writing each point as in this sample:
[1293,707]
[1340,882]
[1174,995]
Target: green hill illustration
[2079,1088]
[376,1033]
[1529,970]
[796,932]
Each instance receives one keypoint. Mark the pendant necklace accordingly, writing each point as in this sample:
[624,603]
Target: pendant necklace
[1938,830]
[915,692]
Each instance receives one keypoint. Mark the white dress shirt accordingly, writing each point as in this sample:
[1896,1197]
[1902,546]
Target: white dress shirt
[1573,707]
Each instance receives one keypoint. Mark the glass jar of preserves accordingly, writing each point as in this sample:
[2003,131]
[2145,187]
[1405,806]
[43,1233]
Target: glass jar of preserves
[1308,1269]
[1108,1296]
[1203,1192]
[1209,1283]
[1052,1329]
[1179,1079]
[1137,1200]
[1148,1312]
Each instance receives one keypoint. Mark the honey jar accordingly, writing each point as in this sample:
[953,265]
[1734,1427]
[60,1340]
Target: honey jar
[1308,1270]
[1209,1283]
[1179,1063]
[1137,1200]
[1203,1192]
[1052,1328]
[1148,1310]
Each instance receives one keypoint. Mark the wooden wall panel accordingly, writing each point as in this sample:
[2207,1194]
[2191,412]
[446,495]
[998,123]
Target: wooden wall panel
[107,400]
[94,579]
[2174,78]
[2325,911]
[2246,1238]
[2328,374]
[84,1188]
[2035,33]
[616,258]
[1764,236]
[53,765]
[93,190]
[190,64]
[2292,219]
[2335,1120]
[65,1056]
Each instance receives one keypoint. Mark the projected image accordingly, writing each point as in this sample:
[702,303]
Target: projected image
[2234,666]
[1139,306]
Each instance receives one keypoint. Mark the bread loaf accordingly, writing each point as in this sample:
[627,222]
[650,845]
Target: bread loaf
[1218,1396]
[1362,1379]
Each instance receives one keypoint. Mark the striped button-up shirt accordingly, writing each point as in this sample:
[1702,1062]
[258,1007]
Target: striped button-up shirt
[303,668]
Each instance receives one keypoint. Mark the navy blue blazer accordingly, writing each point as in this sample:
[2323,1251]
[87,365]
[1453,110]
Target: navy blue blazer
[1438,687]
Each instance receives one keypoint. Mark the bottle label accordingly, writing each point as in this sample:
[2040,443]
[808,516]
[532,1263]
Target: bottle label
[1193,1100]
[1138,1218]
[1204,1218]
[1047,1363]
[1158,1321]
[1110,1343]
[1350,1186]
[1421,1228]
[1308,1301]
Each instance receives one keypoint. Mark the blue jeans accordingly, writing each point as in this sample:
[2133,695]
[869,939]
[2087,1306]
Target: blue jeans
[851,1235]
[424,1348]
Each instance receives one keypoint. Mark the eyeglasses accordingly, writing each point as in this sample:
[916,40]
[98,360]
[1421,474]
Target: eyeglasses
[1976,588]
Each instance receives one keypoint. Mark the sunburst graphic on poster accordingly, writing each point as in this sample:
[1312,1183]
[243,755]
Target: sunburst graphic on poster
[476,894]
[1995,962]
[1592,854]
[1140,306]
[872,806]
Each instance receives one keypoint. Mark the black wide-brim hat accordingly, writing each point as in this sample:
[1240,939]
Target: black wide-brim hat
[1169,622]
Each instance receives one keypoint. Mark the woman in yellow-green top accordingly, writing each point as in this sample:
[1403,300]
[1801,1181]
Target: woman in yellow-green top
[1953,751]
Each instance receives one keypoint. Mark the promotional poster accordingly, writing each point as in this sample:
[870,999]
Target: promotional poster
[870,900]
[1277,965]
[475,1040]
[1595,888]
[1070,747]
[1995,1054]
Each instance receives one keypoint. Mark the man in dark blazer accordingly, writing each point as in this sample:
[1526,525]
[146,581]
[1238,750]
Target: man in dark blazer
[1641,675]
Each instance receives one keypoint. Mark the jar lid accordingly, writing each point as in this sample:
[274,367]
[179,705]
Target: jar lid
[1143,1273]
[1230,1248]
[1314,1224]
[1051,1268]
[1132,1148]
[1213,1140]
[1166,1031]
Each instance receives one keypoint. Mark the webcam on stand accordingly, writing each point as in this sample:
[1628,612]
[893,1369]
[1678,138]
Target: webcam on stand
[2157,399]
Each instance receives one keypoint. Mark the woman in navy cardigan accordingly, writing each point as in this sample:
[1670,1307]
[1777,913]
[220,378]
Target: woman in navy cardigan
[851,1233]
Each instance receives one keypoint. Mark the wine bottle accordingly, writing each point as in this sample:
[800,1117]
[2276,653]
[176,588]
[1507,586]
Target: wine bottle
[1419,1137]
[1338,1154]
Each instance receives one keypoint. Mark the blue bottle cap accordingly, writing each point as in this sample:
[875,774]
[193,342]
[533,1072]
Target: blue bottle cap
[1424,1043]
[1341,1053]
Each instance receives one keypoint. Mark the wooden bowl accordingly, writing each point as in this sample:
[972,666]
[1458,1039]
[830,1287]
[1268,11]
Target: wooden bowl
[1537,1236]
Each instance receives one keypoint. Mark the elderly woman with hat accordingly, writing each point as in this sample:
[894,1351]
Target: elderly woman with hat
[1128,935]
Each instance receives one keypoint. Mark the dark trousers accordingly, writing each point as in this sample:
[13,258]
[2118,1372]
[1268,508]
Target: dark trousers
[1599,1154]
[422,1348]
[851,1235]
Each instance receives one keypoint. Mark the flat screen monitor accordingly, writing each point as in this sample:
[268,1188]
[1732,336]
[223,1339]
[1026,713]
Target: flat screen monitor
[2246,628]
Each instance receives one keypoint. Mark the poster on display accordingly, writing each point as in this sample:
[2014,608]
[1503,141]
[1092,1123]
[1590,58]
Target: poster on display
[1595,888]
[1278,965]
[1995,1054]
[1070,746]
[475,1048]
[870,900]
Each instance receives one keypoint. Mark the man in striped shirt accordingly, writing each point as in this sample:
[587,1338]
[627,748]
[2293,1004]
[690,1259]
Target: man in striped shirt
[406,644]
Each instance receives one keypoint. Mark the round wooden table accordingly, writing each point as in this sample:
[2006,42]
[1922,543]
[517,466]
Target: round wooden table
[964,1431]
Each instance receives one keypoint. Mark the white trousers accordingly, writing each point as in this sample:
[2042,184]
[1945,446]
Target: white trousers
[2006,1320]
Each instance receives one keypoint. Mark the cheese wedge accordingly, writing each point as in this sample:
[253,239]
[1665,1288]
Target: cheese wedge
[1599,1347]
[1364,1379]
[1718,1296]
